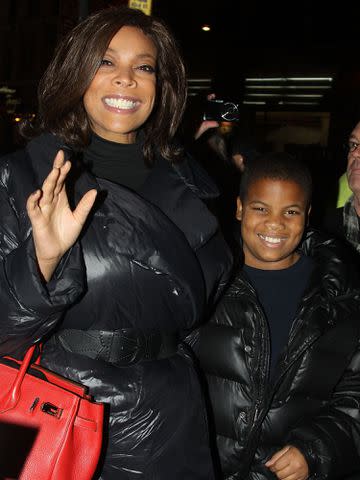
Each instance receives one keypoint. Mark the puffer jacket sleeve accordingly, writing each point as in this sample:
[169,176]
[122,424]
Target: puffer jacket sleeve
[330,440]
[29,309]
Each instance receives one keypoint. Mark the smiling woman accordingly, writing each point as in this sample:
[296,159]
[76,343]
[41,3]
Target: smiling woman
[121,96]
[106,198]
[86,55]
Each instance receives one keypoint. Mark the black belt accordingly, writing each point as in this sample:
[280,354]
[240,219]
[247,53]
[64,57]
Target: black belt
[123,347]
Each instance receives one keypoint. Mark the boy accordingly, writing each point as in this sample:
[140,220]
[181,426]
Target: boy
[281,352]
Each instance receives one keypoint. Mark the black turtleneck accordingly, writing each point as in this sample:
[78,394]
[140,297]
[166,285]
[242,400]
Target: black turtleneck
[280,293]
[122,163]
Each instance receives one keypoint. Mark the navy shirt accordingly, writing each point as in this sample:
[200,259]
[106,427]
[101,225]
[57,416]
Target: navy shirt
[279,293]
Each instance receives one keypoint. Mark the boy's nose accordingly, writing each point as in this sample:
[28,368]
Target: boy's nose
[275,223]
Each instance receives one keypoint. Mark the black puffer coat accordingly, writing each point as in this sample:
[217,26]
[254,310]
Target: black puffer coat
[150,264]
[314,400]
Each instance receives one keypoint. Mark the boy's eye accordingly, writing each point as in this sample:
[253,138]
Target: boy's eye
[106,62]
[292,212]
[147,68]
[259,209]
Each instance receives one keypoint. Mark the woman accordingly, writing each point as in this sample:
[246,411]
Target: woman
[113,281]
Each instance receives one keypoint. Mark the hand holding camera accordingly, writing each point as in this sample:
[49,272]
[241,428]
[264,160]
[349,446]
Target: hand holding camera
[221,110]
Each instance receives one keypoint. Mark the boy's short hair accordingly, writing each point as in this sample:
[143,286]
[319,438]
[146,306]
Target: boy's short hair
[276,166]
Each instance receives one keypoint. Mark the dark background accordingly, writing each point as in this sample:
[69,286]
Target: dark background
[247,38]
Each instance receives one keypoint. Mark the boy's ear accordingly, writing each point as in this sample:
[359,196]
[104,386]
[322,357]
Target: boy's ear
[238,214]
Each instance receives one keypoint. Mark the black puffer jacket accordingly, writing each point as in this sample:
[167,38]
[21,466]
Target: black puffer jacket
[314,400]
[150,264]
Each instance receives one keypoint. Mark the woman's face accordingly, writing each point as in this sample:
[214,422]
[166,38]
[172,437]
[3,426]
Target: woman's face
[121,96]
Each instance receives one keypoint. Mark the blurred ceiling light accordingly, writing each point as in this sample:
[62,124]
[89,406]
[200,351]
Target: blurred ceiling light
[197,80]
[299,103]
[246,102]
[291,79]
[287,95]
[7,90]
[289,87]
[206,28]
[196,85]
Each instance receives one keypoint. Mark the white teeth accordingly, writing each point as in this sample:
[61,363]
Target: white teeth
[120,103]
[270,239]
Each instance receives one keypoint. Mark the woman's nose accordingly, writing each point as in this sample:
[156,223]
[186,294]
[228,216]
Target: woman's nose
[124,78]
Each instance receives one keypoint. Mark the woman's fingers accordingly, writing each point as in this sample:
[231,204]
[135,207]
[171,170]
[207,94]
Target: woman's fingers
[48,187]
[32,204]
[64,170]
[84,206]
[54,182]
[59,159]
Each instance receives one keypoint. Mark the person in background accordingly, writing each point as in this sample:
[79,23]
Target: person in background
[344,222]
[344,191]
[242,149]
[109,256]
[224,156]
[234,147]
[282,351]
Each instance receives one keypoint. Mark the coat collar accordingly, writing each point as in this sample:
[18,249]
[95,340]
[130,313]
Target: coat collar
[336,270]
[177,189]
[335,274]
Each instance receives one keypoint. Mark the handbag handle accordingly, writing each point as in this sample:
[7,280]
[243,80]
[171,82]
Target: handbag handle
[14,392]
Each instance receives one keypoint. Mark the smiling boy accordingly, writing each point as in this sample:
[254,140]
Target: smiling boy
[281,352]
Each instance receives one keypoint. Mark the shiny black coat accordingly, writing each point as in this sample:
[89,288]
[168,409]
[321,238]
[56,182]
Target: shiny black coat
[152,262]
[313,402]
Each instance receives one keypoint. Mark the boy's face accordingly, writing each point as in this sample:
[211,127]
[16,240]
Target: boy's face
[273,218]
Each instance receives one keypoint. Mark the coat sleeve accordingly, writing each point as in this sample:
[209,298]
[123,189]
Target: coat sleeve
[29,309]
[330,441]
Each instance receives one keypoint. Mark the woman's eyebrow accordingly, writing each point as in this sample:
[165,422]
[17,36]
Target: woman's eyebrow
[140,55]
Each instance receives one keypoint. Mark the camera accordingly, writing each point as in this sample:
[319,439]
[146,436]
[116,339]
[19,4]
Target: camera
[221,110]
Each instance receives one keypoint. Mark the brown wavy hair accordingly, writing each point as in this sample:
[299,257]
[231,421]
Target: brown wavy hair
[75,63]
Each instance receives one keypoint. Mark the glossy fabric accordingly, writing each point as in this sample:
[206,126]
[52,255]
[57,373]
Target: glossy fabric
[134,266]
[314,400]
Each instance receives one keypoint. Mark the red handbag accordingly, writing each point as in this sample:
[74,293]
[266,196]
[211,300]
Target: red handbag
[49,427]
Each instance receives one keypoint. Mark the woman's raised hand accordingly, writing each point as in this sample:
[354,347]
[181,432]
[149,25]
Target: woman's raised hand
[55,226]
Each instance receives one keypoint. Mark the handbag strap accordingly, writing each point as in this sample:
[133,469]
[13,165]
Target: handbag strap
[38,357]
[14,391]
